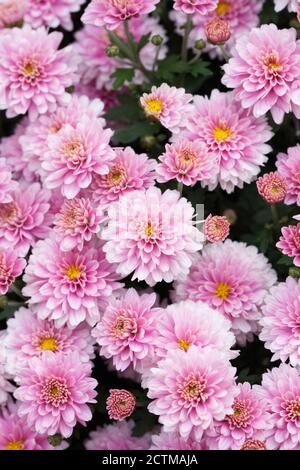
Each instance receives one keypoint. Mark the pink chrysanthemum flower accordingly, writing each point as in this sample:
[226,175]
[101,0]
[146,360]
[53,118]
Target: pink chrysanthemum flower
[54,391]
[28,336]
[189,323]
[231,134]
[253,444]
[217,31]
[216,228]
[10,267]
[265,71]
[68,287]
[281,390]
[196,6]
[249,418]
[232,278]
[7,184]
[128,171]
[289,242]
[120,404]
[152,234]
[173,441]
[75,154]
[288,166]
[76,223]
[5,386]
[25,219]
[51,13]
[127,330]
[272,187]
[188,162]
[191,389]
[34,141]
[292,5]
[280,321]
[169,105]
[12,12]
[34,74]
[112,13]
[117,436]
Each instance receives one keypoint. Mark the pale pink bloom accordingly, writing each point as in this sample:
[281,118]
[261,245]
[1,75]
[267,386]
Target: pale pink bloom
[272,187]
[216,228]
[169,105]
[292,5]
[152,234]
[217,31]
[248,419]
[120,404]
[6,387]
[128,330]
[51,13]
[34,74]
[128,171]
[289,242]
[112,13]
[253,444]
[188,323]
[280,321]
[29,336]
[34,142]
[188,162]
[117,436]
[76,223]
[25,219]
[288,166]
[231,134]
[15,434]
[75,154]
[54,391]
[196,6]
[10,267]
[12,12]
[191,389]
[68,287]
[173,441]
[7,184]
[280,389]
[233,278]
[265,71]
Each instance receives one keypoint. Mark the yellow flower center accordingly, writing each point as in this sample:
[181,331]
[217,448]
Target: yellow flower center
[222,8]
[154,105]
[54,390]
[48,344]
[73,272]
[184,344]
[222,134]
[149,230]
[14,445]
[272,61]
[275,190]
[222,290]
[115,176]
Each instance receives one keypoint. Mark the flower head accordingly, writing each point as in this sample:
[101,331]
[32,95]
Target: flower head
[51,13]
[196,6]
[217,31]
[216,228]
[272,187]
[120,404]
[288,166]
[7,184]
[289,242]
[10,267]
[117,436]
[253,444]
[12,12]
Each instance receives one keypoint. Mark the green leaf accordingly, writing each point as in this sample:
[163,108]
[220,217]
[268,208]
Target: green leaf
[121,76]
[169,66]
[8,312]
[200,68]
[128,111]
[133,132]
[286,261]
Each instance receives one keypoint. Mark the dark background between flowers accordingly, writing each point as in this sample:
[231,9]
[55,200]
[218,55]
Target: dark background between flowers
[254,222]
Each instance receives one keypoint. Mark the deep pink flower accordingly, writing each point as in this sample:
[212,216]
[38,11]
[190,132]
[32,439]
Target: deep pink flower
[25,219]
[169,105]
[120,404]
[75,154]
[112,13]
[280,321]
[51,13]
[253,444]
[127,330]
[12,12]
[272,187]
[117,436]
[216,228]
[196,6]
[54,391]
[7,184]
[152,234]
[173,441]
[190,389]
[218,31]
[231,134]
[10,267]
[281,390]
[265,71]
[128,171]
[68,287]
[232,278]
[188,162]
[288,166]
[289,242]
[76,223]
[34,74]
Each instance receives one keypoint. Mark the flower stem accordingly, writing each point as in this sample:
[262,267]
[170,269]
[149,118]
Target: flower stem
[275,216]
[180,188]
[224,52]
[17,291]
[136,62]
[187,29]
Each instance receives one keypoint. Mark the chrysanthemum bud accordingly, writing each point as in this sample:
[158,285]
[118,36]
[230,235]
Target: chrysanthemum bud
[217,31]
[230,215]
[120,404]
[157,40]
[112,51]
[294,272]
[148,141]
[216,228]
[55,440]
[272,187]
[200,44]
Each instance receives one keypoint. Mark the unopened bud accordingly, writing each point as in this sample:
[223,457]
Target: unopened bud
[157,40]
[217,31]
[55,440]
[148,141]
[294,272]
[200,44]
[230,215]
[112,51]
